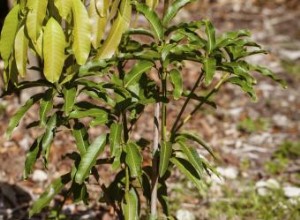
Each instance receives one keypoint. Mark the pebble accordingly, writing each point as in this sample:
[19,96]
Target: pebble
[291,191]
[228,172]
[183,214]
[39,176]
[265,187]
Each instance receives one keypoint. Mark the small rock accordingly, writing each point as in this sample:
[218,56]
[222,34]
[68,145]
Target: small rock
[291,191]
[280,120]
[39,176]
[265,187]
[183,214]
[228,172]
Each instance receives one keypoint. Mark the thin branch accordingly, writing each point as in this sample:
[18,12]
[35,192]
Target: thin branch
[155,162]
[214,90]
[185,104]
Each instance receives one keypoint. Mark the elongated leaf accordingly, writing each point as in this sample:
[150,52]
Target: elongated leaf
[98,16]
[64,7]
[197,139]
[115,138]
[89,158]
[81,137]
[134,160]
[35,18]
[81,32]
[44,200]
[93,112]
[164,157]
[21,47]
[153,19]
[54,44]
[130,205]
[188,170]
[48,137]
[211,36]
[31,157]
[173,10]
[209,66]
[176,80]
[8,33]
[136,72]
[152,3]
[119,26]
[246,87]
[193,157]
[69,98]
[45,106]
[14,121]
[266,72]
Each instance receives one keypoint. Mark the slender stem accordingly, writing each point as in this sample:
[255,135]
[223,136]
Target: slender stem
[155,163]
[185,105]
[215,89]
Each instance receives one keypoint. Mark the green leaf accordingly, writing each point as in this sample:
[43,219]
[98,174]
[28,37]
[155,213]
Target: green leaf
[152,3]
[93,112]
[153,19]
[81,137]
[14,121]
[173,10]
[130,205]
[88,160]
[35,18]
[69,98]
[246,87]
[188,170]
[81,33]
[267,72]
[21,48]
[8,33]
[136,72]
[64,7]
[192,156]
[54,44]
[98,16]
[176,80]
[44,200]
[134,160]
[209,66]
[211,36]
[164,157]
[114,37]
[115,138]
[241,69]
[48,136]
[31,157]
[46,105]
[197,139]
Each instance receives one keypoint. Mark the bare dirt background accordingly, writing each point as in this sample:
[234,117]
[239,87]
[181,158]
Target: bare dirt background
[245,135]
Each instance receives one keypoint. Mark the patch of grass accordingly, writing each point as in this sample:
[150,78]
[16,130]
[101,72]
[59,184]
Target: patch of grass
[250,125]
[292,67]
[286,152]
[249,205]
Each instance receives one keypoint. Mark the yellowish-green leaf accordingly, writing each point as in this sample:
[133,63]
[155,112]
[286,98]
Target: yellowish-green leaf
[54,44]
[21,48]
[64,7]
[35,17]
[119,26]
[98,15]
[152,3]
[8,33]
[81,32]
